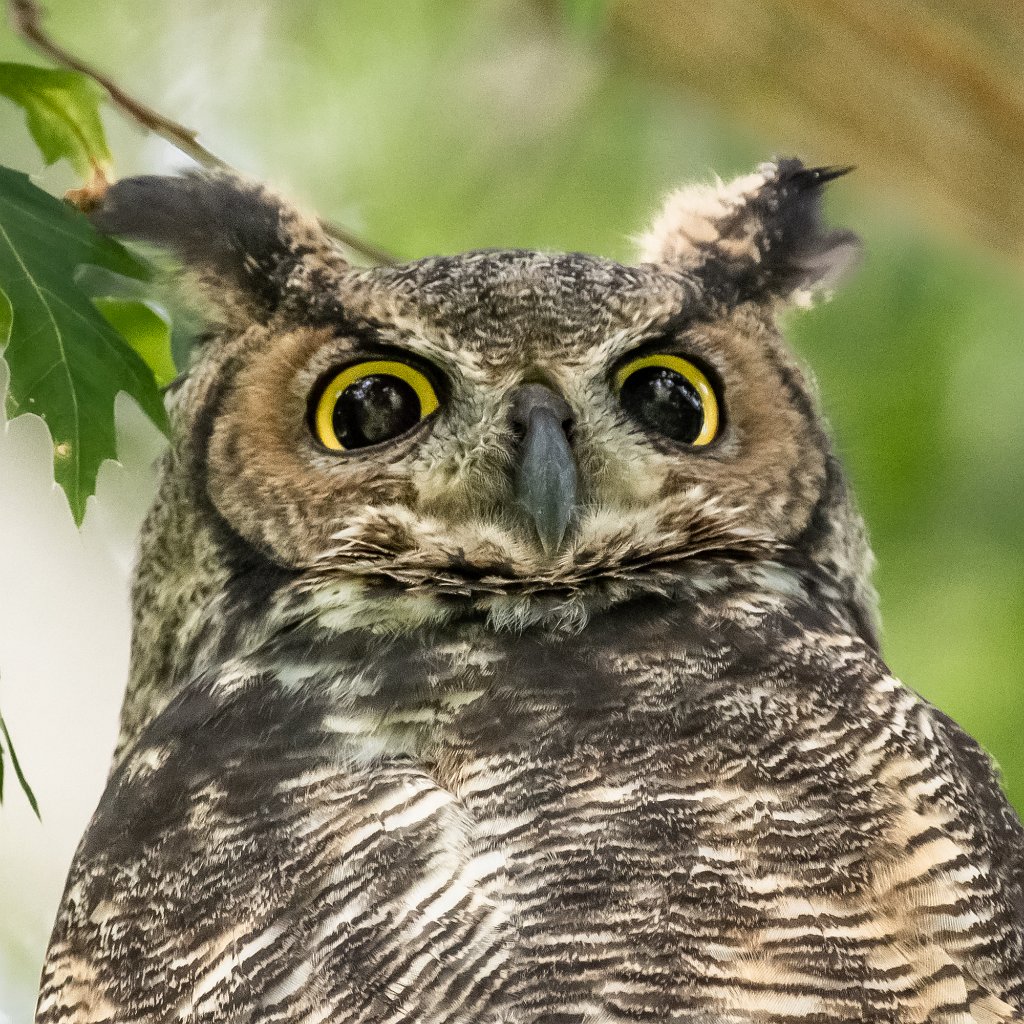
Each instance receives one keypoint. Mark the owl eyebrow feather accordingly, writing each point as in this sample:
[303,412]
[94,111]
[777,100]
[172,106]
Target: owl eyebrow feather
[239,242]
[759,237]
[795,250]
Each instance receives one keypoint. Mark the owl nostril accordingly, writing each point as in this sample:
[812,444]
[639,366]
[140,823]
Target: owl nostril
[532,398]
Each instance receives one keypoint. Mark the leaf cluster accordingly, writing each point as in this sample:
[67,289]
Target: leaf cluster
[69,342]
[68,350]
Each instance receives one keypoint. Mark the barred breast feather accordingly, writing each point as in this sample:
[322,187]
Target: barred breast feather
[719,810]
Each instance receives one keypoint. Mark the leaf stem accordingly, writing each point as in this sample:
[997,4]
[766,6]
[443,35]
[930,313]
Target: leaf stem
[23,782]
[27,17]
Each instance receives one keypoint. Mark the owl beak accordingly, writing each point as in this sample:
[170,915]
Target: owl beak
[545,483]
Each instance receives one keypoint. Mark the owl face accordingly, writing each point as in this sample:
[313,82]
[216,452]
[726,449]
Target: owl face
[507,420]
[393,434]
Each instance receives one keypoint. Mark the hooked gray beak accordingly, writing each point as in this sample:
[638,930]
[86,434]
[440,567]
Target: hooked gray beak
[546,475]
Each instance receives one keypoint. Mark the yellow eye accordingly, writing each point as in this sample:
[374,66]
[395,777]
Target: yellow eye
[370,403]
[670,395]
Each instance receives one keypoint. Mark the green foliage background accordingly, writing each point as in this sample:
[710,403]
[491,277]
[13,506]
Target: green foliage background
[434,126]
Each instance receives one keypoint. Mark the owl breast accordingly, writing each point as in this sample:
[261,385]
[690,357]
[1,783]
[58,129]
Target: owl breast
[717,812]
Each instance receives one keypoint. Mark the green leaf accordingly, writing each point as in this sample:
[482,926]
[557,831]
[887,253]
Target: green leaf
[66,362]
[586,15]
[19,774]
[146,331]
[62,112]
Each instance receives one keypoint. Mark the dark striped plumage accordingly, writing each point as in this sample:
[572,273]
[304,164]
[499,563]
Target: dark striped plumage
[411,768]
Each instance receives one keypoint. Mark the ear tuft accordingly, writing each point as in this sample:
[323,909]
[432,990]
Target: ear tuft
[243,246]
[759,236]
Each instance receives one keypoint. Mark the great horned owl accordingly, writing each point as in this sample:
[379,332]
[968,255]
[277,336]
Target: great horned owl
[504,651]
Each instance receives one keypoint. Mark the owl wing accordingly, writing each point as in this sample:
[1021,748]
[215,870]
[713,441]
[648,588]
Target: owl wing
[987,832]
[979,806]
[862,840]
[240,867]
[951,885]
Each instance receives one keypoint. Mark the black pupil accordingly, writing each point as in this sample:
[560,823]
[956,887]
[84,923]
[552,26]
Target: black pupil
[664,400]
[374,409]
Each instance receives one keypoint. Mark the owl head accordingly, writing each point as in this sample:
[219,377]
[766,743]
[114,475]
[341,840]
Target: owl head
[507,428]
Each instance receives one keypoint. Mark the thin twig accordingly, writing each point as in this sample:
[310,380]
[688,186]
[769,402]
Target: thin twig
[28,15]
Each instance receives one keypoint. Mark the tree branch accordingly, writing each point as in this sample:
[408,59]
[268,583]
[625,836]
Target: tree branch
[27,17]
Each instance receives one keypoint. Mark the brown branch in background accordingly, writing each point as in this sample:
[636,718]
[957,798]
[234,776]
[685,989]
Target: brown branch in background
[27,17]
[927,99]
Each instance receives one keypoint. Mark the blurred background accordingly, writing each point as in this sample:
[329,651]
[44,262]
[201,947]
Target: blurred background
[432,126]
